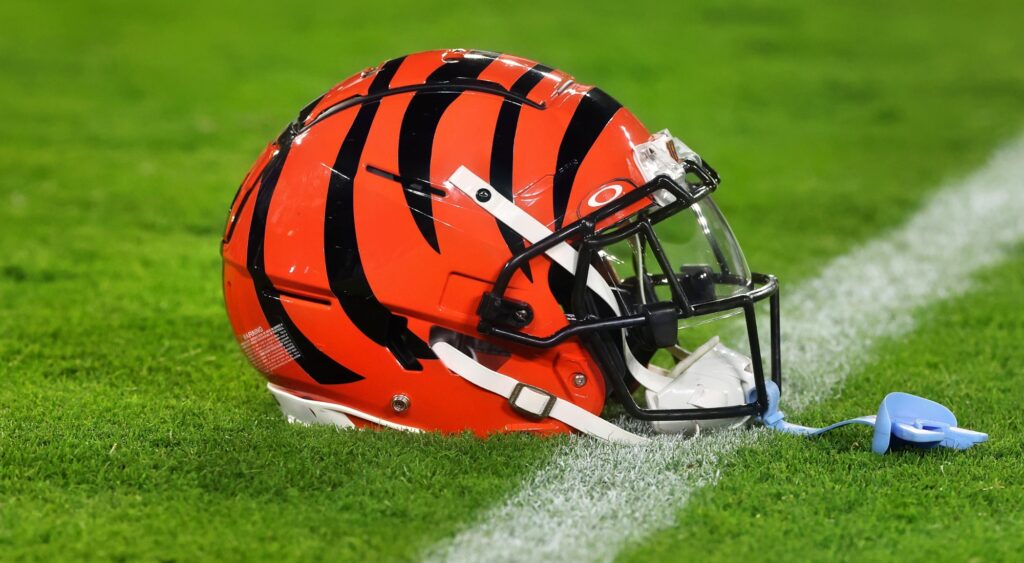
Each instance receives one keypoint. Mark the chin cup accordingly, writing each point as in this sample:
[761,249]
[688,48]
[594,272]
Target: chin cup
[712,376]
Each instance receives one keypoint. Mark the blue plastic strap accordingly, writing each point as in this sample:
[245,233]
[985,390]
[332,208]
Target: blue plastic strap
[903,419]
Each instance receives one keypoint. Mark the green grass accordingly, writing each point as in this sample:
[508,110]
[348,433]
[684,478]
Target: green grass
[131,427]
[831,499]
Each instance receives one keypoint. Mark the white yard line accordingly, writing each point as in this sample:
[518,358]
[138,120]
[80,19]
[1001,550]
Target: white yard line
[593,498]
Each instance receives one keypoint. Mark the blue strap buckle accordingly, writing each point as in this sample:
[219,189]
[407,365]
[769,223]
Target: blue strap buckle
[902,420]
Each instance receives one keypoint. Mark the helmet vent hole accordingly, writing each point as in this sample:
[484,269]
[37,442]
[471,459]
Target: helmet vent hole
[418,187]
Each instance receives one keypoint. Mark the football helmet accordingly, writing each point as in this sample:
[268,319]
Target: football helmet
[461,240]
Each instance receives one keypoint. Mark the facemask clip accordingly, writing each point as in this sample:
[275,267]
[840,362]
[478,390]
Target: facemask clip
[661,329]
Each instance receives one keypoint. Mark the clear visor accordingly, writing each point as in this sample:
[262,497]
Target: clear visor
[695,246]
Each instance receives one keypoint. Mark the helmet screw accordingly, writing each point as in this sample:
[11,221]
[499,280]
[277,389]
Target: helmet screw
[579,380]
[522,315]
[400,403]
[483,195]
[453,55]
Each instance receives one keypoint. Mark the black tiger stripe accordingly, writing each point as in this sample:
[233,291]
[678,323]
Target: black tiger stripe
[590,118]
[341,250]
[416,138]
[560,281]
[308,109]
[234,200]
[503,152]
[319,366]
[235,214]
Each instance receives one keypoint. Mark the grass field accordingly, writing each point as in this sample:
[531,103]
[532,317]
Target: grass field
[132,428]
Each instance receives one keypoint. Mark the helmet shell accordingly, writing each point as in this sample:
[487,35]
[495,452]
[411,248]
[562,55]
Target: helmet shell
[346,250]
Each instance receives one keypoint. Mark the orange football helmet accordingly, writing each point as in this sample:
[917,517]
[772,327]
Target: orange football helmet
[461,240]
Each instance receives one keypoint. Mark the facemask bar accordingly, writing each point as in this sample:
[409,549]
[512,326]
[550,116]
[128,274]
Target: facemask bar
[503,317]
[499,313]
[660,330]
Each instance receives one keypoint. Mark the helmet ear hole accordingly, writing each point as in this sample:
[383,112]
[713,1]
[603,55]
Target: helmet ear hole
[487,354]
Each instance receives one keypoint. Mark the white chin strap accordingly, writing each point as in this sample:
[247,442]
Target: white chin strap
[712,376]
[529,401]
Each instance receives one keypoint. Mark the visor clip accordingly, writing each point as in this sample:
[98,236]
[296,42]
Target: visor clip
[698,283]
[505,312]
[661,329]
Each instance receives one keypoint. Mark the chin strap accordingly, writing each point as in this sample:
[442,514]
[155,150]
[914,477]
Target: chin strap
[529,401]
[902,420]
